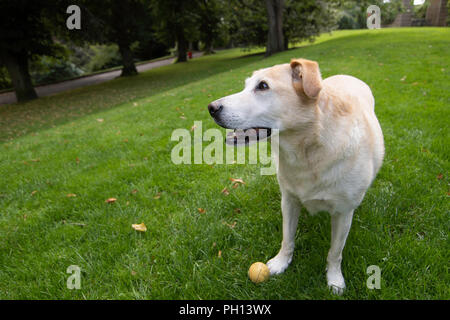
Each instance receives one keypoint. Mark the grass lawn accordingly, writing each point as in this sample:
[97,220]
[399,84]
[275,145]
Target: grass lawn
[113,140]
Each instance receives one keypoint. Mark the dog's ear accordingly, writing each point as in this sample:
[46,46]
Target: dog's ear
[306,77]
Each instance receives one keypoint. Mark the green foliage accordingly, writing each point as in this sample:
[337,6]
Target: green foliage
[247,24]
[305,20]
[46,69]
[420,11]
[352,14]
[5,81]
[103,57]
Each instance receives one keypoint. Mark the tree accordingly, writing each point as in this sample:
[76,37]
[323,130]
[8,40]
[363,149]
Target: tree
[25,33]
[122,23]
[251,24]
[177,18]
[275,37]
[306,19]
[209,18]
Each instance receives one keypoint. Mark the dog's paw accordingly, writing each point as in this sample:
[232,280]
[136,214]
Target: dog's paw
[339,291]
[278,264]
[336,282]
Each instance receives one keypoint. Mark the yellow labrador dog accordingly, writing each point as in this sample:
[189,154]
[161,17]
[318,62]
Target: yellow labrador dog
[330,146]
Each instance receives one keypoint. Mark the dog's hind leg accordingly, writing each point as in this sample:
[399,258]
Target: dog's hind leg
[340,226]
[290,209]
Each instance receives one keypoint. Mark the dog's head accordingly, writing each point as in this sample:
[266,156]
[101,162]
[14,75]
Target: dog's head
[281,97]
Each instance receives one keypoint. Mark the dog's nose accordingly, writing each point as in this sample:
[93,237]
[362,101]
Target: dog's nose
[214,109]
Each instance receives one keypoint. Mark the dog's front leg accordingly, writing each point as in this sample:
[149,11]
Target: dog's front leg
[290,209]
[340,226]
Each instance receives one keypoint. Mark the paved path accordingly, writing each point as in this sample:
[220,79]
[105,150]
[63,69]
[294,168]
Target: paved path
[46,90]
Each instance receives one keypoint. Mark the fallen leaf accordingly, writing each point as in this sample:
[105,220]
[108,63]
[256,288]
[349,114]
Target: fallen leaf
[157,196]
[35,160]
[439,176]
[125,140]
[403,79]
[77,160]
[70,195]
[237,180]
[134,191]
[237,210]
[219,254]
[183,117]
[110,200]
[231,226]
[100,120]
[133,273]
[235,185]
[139,227]
[34,192]
[414,83]
[201,210]
[225,191]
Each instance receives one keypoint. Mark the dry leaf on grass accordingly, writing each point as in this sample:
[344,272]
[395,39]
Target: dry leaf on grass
[110,200]
[219,254]
[201,210]
[139,227]
[237,180]
[225,191]
[439,176]
[100,120]
[157,196]
[134,191]
[71,195]
[34,192]
[231,226]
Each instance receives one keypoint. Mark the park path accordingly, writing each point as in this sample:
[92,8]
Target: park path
[46,90]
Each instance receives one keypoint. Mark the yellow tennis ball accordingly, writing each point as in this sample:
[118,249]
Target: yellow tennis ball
[258,272]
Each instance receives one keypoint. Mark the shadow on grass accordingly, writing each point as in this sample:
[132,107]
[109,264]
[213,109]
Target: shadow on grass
[20,119]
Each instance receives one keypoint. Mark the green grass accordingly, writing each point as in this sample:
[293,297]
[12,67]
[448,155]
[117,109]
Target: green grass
[55,146]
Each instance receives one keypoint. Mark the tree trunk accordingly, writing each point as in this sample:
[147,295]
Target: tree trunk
[128,69]
[275,38]
[182,46]
[209,45]
[17,65]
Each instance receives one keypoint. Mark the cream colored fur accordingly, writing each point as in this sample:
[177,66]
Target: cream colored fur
[330,147]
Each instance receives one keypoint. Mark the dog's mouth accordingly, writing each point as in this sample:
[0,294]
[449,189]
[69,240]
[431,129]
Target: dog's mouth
[247,136]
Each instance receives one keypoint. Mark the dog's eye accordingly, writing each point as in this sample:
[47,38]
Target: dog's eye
[262,86]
